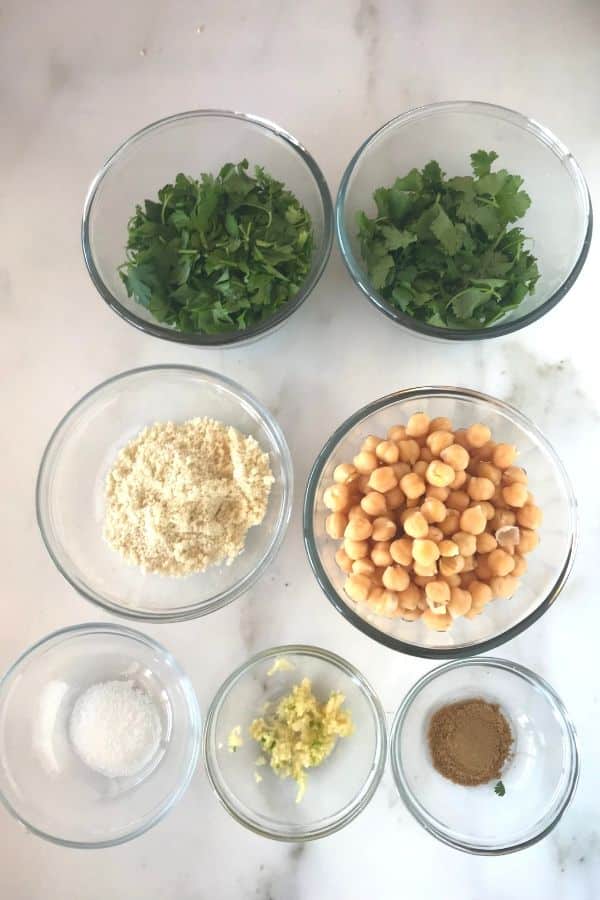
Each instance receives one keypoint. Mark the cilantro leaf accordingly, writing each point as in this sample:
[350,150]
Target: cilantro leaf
[481,162]
[500,789]
[445,232]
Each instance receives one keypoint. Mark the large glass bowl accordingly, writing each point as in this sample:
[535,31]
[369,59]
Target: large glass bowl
[72,478]
[195,142]
[559,220]
[44,783]
[548,566]
[539,778]
[337,790]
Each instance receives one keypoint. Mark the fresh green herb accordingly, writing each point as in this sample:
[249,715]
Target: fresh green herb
[218,254]
[441,249]
[500,789]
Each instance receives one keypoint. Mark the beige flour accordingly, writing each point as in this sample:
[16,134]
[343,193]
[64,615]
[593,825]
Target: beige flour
[180,498]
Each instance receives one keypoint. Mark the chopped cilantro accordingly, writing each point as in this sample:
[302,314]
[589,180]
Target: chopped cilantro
[500,789]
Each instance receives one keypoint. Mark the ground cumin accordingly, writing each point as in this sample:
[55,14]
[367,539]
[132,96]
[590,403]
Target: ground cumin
[469,741]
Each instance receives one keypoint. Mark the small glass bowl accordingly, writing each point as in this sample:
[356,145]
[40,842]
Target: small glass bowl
[44,783]
[195,142]
[559,220]
[337,790]
[72,478]
[540,777]
[548,566]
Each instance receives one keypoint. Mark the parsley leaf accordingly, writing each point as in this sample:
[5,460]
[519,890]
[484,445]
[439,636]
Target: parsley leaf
[441,249]
[218,254]
[500,789]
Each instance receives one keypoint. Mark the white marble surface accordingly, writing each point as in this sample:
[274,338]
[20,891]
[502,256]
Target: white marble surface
[75,79]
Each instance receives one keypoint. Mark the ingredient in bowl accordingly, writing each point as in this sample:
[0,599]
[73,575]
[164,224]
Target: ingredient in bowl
[434,523]
[235,739]
[470,741]
[115,728]
[499,789]
[180,498]
[219,254]
[301,733]
[441,250]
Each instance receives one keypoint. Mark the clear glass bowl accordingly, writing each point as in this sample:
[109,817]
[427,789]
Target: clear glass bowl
[44,783]
[195,142]
[337,790]
[71,486]
[548,566]
[559,220]
[540,777]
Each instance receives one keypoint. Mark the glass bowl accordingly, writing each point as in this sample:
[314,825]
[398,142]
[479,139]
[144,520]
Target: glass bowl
[72,477]
[540,777]
[559,220]
[195,142]
[548,566]
[337,790]
[44,783]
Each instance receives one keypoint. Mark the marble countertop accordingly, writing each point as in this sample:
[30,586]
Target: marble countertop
[75,80]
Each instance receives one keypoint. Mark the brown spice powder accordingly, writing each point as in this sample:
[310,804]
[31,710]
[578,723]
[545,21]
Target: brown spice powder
[469,741]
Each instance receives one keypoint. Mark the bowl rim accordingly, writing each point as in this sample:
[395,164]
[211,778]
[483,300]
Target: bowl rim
[414,806]
[544,136]
[379,761]
[222,599]
[233,338]
[194,722]
[428,392]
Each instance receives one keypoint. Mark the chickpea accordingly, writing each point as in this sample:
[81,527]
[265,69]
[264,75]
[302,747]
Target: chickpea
[486,452]
[419,469]
[416,525]
[437,593]
[429,570]
[409,615]
[514,474]
[500,562]
[377,576]
[451,580]
[394,499]
[480,593]
[365,462]
[358,529]
[450,523]
[383,479]
[362,483]
[489,471]
[504,587]
[489,510]
[472,520]
[436,622]
[459,480]
[383,529]
[466,543]
[344,473]
[504,455]
[433,510]
[404,514]
[469,563]
[422,580]
[529,516]
[343,560]
[356,549]
[440,423]
[401,551]
[401,469]
[460,437]
[395,578]
[520,566]
[412,485]
[357,587]
[409,598]
[337,497]
[409,451]
[515,494]
[448,549]
[414,503]
[356,512]
[439,440]
[477,435]
[508,538]
[387,452]
[482,569]
[481,488]
[460,602]
[456,456]
[374,504]
[458,500]
[439,493]
[335,523]
[396,433]
[426,455]
[502,518]
[466,579]
[424,551]
[439,474]
[485,542]
[528,541]
[380,554]
[417,425]
[369,443]
[434,534]
[382,602]
[363,566]
[451,565]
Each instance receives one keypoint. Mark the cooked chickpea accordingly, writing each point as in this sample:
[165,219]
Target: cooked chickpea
[460,602]
[504,587]
[416,525]
[413,504]
[501,518]
[529,516]
[439,473]
[380,554]
[396,433]
[520,566]
[486,542]
[409,597]
[458,500]
[489,510]
[362,483]
[487,451]
[417,425]
[424,551]
[434,534]
[401,551]
[383,479]
[482,569]
[448,548]
[460,437]
[344,473]
[433,510]
[472,520]
[450,523]
[422,580]
[335,523]
[440,423]
[477,435]
[528,541]
[500,562]
[515,494]
[357,587]
[358,529]
[436,622]
[374,504]
[365,462]
[363,566]
[437,593]
[409,451]
[395,578]
[356,549]
[387,452]
[451,565]
[469,563]
[369,443]
[356,512]
[394,499]
[439,440]
[382,602]
[337,497]
[466,579]
[489,471]
[504,455]
[481,593]
[481,488]
[451,580]
[458,480]
[409,615]
[383,529]
[466,543]
[514,474]
[456,456]
[439,493]
[377,576]
[426,455]
[412,485]
[401,469]
[343,560]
